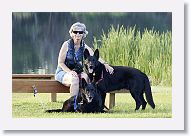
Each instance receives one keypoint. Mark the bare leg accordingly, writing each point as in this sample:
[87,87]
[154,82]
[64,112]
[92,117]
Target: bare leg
[73,82]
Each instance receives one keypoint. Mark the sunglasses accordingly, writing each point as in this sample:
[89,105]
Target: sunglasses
[80,32]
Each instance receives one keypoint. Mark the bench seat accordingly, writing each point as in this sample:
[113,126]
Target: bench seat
[42,86]
[45,83]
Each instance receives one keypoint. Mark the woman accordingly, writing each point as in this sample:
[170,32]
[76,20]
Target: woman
[70,55]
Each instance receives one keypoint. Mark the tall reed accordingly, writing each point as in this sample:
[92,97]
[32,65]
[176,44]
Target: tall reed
[150,51]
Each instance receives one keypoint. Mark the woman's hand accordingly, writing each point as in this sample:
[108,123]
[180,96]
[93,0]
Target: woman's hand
[109,68]
[73,73]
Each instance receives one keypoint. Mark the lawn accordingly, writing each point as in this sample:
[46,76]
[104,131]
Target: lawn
[27,106]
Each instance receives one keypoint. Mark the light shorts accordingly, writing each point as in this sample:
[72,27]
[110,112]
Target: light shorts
[59,74]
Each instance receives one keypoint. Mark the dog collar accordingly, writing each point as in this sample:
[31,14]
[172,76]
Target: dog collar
[102,76]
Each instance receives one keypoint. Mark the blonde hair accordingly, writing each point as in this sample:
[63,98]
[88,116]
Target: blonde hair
[80,25]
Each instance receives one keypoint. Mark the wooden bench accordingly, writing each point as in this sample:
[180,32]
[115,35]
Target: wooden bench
[45,83]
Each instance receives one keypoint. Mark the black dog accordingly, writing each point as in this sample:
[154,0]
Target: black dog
[87,101]
[122,78]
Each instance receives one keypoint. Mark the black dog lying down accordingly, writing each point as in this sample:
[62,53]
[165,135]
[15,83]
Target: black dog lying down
[122,78]
[88,101]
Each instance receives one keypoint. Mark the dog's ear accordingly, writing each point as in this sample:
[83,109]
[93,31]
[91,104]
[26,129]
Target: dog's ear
[84,84]
[86,54]
[96,54]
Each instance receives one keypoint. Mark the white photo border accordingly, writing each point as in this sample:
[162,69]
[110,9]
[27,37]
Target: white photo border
[174,123]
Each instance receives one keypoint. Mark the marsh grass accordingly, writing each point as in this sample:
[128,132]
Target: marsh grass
[150,51]
[26,106]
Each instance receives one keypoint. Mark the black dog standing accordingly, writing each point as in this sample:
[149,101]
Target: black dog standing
[123,77]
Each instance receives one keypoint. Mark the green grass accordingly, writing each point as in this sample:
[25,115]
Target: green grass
[26,106]
[150,51]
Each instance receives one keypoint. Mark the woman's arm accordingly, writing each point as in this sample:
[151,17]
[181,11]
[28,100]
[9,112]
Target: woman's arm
[62,57]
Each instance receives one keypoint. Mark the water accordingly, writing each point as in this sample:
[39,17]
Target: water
[37,37]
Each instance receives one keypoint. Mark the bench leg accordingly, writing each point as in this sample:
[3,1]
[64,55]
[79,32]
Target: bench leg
[53,97]
[110,100]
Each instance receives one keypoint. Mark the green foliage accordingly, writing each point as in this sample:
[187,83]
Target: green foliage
[36,34]
[26,106]
[149,51]
[22,15]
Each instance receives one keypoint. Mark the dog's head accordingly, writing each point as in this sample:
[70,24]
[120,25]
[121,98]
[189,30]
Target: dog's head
[88,91]
[91,62]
